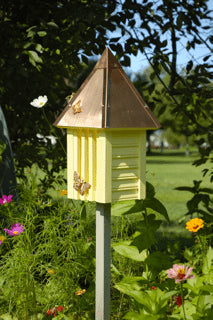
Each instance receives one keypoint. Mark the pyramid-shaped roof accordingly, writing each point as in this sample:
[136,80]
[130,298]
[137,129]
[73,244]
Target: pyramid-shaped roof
[107,99]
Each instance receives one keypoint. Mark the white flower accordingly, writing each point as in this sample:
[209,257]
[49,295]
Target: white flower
[40,102]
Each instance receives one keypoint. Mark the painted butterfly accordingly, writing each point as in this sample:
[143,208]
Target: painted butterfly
[77,107]
[79,184]
[68,99]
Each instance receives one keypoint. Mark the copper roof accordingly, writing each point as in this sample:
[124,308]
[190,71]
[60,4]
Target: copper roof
[107,99]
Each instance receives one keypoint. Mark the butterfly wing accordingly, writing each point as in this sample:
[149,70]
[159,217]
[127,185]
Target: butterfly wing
[84,187]
[77,181]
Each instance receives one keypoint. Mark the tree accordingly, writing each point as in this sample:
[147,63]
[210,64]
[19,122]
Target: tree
[157,33]
[45,41]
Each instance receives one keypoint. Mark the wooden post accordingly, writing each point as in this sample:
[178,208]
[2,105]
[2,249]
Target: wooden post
[103,235]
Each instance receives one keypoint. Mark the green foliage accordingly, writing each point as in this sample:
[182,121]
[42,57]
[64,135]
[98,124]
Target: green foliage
[48,262]
[201,202]
[156,296]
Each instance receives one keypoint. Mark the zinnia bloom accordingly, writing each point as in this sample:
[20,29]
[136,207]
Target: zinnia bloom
[194,225]
[6,199]
[40,102]
[180,273]
[16,229]
[63,192]
[179,300]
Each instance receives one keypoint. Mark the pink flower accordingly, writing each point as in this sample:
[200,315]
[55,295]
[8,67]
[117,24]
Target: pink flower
[15,229]
[6,199]
[179,273]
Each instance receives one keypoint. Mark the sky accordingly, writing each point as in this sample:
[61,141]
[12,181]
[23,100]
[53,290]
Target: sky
[140,63]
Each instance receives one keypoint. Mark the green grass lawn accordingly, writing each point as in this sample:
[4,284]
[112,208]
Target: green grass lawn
[169,170]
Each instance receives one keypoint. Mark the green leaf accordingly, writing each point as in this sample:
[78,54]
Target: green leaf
[52,24]
[153,300]
[147,233]
[140,296]
[207,261]
[207,190]
[7,316]
[41,33]
[135,316]
[190,189]
[123,207]
[83,213]
[33,57]
[126,61]
[158,261]
[150,190]
[207,288]
[132,316]
[179,21]
[125,249]
[156,205]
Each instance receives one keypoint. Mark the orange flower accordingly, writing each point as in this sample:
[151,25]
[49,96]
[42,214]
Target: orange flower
[50,271]
[80,292]
[194,225]
[63,192]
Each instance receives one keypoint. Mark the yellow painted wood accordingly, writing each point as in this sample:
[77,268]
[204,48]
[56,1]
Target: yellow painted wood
[104,164]
[112,161]
[69,163]
[142,166]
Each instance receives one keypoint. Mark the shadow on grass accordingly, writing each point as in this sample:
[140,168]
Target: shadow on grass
[171,156]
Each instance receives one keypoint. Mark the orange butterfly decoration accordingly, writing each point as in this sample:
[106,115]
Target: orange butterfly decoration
[77,107]
[79,184]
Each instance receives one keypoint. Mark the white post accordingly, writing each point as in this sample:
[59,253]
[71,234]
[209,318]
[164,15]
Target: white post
[103,236]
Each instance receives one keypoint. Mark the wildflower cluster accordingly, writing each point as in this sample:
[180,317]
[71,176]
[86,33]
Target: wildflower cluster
[16,229]
[53,312]
[63,192]
[6,199]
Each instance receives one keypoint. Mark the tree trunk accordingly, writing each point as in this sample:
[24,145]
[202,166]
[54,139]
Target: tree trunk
[187,146]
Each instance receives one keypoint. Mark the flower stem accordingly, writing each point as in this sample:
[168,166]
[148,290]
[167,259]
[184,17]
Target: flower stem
[52,129]
[184,313]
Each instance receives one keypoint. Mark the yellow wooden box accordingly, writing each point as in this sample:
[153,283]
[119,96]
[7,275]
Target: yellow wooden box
[106,138]
[112,161]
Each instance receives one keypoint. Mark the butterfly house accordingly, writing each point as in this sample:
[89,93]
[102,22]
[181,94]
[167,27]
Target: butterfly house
[106,122]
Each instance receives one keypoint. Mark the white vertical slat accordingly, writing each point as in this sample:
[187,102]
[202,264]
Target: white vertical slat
[83,158]
[103,235]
